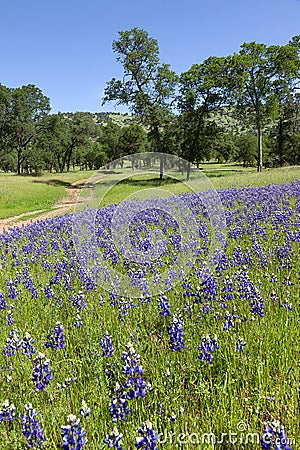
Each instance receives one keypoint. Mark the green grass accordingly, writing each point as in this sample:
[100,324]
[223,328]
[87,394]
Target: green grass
[22,194]
[114,189]
[247,388]
[228,176]
[19,195]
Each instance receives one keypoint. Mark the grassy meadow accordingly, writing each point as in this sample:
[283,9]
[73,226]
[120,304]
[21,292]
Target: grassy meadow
[24,194]
[27,194]
[208,361]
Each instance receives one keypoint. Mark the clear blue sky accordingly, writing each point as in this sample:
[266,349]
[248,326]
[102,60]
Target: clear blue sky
[64,47]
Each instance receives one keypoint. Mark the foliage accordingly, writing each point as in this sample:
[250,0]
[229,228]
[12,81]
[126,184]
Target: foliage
[22,119]
[260,75]
[147,87]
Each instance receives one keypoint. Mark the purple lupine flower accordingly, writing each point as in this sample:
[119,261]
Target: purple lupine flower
[3,302]
[107,346]
[42,372]
[257,306]
[124,308]
[207,348]
[176,334]
[240,345]
[148,439]
[48,292]
[113,439]
[13,344]
[31,428]
[131,360]
[137,387]
[7,411]
[10,317]
[229,320]
[27,345]
[160,411]
[11,289]
[164,306]
[73,434]
[78,301]
[29,283]
[56,339]
[274,437]
[135,383]
[119,404]
[78,322]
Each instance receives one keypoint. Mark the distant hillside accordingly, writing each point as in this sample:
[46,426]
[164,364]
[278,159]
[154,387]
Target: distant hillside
[120,119]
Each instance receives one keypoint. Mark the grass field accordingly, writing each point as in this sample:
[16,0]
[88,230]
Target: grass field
[19,195]
[209,359]
[22,194]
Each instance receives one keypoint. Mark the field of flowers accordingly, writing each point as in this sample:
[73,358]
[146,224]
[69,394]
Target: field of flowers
[211,361]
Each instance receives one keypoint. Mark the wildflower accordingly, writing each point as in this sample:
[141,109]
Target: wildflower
[12,290]
[136,383]
[56,339]
[148,439]
[113,439]
[78,301]
[257,306]
[207,348]
[7,411]
[240,345]
[73,434]
[119,404]
[85,411]
[78,323]
[176,334]
[229,320]
[160,408]
[107,346]
[67,383]
[274,437]
[48,292]
[124,308]
[42,373]
[164,306]
[31,428]
[13,344]
[27,345]
[3,302]
[9,317]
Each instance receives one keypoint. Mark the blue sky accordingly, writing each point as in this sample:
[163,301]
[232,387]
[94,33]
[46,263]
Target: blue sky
[64,47]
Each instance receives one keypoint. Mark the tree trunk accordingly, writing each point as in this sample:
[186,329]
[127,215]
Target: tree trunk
[19,162]
[188,171]
[161,156]
[260,150]
[161,167]
[280,142]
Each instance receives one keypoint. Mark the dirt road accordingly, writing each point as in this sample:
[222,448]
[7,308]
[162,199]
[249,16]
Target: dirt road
[66,204]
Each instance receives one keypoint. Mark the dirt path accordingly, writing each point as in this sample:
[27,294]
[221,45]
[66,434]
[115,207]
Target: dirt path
[66,204]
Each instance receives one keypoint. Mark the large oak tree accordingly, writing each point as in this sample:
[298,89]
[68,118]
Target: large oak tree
[147,86]
[260,76]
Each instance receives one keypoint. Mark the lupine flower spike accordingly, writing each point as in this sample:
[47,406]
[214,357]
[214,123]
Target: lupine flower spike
[113,439]
[42,372]
[73,434]
[31,428]
[148,439]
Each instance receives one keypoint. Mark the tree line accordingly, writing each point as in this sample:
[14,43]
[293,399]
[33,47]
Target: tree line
[243,107]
